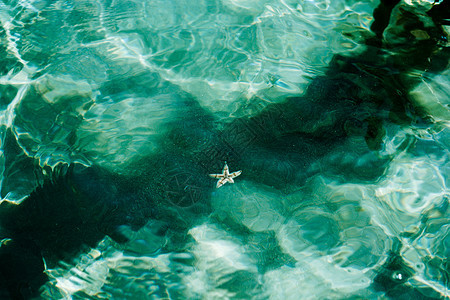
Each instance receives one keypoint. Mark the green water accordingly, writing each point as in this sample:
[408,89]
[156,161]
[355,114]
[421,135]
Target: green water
[114,113]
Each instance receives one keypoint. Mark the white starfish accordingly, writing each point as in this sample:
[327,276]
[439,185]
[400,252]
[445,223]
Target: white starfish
[226,176]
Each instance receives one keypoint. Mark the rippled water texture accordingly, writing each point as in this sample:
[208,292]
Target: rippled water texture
[113,113]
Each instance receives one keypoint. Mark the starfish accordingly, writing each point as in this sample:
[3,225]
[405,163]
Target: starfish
[226,176]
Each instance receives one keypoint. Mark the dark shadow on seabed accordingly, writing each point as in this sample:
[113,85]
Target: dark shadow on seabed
[77,206]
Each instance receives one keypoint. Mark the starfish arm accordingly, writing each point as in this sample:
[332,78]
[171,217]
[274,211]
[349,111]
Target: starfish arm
[216,175]
[220,183]
[230,180]
[226,170]
[235,174]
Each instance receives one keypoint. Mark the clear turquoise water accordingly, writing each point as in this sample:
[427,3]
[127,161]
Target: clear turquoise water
[345,161]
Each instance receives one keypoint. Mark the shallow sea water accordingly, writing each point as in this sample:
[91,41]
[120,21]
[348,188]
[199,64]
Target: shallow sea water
[113,113]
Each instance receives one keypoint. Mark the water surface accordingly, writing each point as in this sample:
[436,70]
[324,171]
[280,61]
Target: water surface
[113,113]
